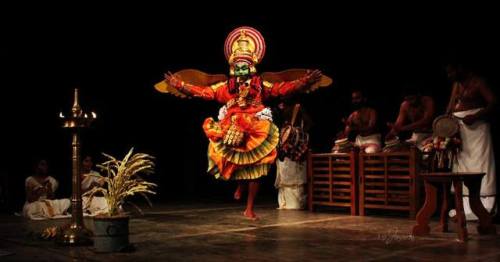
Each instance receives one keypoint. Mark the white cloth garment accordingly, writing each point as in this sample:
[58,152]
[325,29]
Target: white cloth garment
[291,177]
[90,179]
[98,205]
[45,208]
[477,156]
[418,139]
[32,183]
[371,143]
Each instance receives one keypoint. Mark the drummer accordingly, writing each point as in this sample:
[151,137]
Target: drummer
[416,114]
[362,122]
[472,103]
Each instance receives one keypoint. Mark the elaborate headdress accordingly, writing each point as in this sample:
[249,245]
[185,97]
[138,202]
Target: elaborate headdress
[244,44]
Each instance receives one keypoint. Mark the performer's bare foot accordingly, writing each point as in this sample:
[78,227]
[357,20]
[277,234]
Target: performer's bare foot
[250,215]
[240,190]
[237,193]
[253,188]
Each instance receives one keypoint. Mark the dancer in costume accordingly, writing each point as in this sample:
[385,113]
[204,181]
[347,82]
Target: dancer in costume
[243,141]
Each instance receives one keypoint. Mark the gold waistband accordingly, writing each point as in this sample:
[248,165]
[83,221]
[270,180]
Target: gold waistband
[242,102]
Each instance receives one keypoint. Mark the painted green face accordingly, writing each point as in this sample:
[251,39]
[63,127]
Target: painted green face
[241,69]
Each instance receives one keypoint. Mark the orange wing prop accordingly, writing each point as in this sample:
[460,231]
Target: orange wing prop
[191,76]
[294,74]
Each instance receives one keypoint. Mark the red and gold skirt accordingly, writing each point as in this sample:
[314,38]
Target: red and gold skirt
[250,159]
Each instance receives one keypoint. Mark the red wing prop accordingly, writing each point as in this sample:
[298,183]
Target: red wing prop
[294,74]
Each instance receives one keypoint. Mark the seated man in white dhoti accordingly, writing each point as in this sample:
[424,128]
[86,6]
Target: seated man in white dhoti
[291,166]
[363,122]
[90,179]
[471,103]
[416,114]
[40,189]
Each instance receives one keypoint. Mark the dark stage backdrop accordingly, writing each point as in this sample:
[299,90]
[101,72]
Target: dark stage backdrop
[115,55]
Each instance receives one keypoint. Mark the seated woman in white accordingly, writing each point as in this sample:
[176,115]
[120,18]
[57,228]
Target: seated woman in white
[91,179]
[40,189]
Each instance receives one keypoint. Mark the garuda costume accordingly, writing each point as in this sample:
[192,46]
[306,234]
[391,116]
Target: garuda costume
[243,140]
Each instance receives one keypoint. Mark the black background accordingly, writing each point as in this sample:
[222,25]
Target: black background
[116,54]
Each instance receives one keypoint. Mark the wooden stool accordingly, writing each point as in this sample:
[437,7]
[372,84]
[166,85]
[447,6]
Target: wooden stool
[332,179]
[472,181]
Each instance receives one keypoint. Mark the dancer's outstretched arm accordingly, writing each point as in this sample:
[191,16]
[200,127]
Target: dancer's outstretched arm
[289,87]
[203,92]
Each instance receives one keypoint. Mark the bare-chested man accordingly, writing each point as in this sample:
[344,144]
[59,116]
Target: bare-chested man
[471,103]
[416,114]
[363,122]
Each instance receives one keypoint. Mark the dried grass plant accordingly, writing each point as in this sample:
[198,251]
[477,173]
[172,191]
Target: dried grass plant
[123,180]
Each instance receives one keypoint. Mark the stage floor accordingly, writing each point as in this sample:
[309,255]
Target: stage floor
[212,231]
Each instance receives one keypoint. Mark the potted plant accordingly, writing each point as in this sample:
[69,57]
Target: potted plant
[122,180]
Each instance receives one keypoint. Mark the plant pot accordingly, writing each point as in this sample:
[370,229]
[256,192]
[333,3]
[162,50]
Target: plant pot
[111,233]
